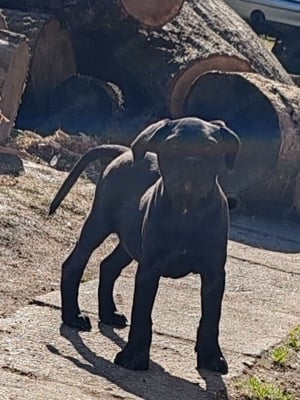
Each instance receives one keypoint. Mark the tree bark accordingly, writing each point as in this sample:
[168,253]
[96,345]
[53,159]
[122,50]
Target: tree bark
[266,116]
[14,61]
[91,15]
[52,60]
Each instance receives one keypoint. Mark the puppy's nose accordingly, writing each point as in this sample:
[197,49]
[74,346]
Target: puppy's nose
[192,162]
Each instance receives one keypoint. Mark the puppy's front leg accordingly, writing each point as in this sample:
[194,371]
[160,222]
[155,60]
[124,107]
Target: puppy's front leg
[135,354]
[209,354]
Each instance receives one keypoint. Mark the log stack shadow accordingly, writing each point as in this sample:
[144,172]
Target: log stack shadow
[115,66]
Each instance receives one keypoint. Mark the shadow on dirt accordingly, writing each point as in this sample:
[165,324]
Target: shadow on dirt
[150,385]
[279,236]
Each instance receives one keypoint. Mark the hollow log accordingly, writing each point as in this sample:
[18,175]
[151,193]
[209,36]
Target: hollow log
[52,60]
[157,67]
[84,104]
[14,61]
[215,16]
[266,116]
[84,15]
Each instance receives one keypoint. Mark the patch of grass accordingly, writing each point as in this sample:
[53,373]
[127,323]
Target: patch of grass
[280,355]
[258,389]
[294,338]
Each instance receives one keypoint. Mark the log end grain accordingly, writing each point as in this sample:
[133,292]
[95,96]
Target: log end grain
[14,61]
[153,13]
[184,81]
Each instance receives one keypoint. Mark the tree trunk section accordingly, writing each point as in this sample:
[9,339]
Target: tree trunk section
[14,60]
[84,104]
[266,116]
[216,17]
[159,66]
[153,13]
[52,60]
[88,16]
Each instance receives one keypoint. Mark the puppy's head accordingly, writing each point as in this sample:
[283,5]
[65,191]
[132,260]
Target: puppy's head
[190,152]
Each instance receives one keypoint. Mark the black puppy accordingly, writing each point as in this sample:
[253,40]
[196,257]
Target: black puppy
[171,215]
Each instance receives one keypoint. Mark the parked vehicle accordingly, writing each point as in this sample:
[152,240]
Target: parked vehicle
[258,11]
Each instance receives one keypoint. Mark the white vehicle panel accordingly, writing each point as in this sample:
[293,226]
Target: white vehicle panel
[281,11]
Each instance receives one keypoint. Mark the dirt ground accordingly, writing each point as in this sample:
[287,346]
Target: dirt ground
[33,246]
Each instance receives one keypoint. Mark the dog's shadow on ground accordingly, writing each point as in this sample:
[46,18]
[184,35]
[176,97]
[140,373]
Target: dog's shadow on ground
[153,384]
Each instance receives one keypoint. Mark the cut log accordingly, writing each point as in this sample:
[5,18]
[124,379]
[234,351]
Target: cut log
[84,104]
[153,12]
[52,60]
[266,116]
[215,16]
[14,60]
[95,14]
[161,65]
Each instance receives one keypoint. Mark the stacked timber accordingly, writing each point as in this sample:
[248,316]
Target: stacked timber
[140,61]
[52,60]
[14,61]
[85,15]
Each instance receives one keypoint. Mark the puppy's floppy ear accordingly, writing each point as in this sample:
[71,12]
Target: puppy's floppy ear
[231,143]
[150,137]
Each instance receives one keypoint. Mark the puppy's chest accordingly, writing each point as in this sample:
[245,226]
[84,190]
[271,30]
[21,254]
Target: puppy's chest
[185,246]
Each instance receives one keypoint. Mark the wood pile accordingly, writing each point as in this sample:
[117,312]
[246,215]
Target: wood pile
[14,61]
[116,65]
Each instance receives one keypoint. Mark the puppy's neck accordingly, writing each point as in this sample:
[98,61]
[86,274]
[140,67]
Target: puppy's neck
[185,204]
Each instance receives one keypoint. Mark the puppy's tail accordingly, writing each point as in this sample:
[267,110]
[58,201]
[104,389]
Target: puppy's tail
[104,153]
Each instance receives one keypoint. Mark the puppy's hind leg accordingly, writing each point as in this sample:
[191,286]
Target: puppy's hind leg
[94,231]
[110,269]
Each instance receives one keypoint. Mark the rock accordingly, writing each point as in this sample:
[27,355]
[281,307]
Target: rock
[10,162]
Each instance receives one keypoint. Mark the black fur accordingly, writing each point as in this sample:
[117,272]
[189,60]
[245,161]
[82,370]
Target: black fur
[163,199]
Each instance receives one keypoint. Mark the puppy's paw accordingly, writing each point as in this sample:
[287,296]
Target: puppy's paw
[131,360]
[116,320]
[80,322]
[213,362]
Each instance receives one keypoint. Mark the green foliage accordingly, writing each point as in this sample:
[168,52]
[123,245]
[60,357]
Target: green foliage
[260,390]
[280,355]
[294,338]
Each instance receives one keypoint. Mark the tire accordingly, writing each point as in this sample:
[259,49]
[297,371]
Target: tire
[257,17]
